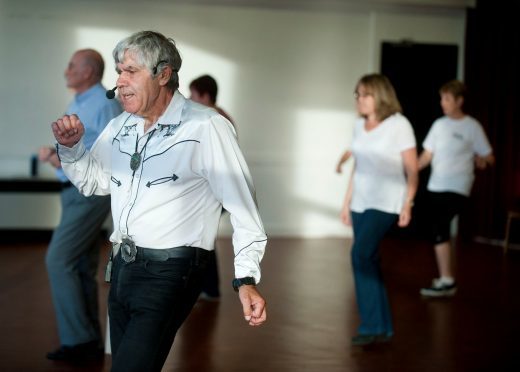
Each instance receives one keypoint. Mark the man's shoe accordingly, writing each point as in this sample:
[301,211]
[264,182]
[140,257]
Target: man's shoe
[439,289]
[81,352]
[363,340]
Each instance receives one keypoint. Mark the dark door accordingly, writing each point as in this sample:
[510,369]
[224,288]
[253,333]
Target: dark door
[417,71]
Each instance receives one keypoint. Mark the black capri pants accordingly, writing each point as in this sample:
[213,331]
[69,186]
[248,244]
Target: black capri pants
[443,207]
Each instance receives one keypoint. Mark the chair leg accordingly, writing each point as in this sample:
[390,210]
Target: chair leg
[508,228]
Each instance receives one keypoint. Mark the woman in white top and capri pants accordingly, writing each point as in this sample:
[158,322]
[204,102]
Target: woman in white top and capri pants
[455,144]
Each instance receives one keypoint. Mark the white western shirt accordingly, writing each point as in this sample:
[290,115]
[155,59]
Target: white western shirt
[191,166]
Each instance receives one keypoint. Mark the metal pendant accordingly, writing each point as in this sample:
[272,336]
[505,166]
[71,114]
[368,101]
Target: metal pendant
[135,161]
[128,250]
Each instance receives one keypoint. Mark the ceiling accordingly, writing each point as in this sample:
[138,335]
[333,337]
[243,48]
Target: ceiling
[324,5]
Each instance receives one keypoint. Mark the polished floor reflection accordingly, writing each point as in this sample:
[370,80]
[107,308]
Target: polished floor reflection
[311,313]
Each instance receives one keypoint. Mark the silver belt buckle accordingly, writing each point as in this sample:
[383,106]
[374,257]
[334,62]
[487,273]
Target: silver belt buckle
[128,250]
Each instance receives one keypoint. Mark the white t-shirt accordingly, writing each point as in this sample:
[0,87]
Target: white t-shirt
[454,143]
[379,177]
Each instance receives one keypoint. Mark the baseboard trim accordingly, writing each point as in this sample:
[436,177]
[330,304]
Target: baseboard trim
[13,236]
[495,242]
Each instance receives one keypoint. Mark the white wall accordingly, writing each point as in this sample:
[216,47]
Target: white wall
[286,77]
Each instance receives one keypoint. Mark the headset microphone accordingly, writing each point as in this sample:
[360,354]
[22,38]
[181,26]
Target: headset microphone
[111,93]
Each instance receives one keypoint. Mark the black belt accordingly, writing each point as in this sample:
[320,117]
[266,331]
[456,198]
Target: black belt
[66,185]
[164,254]
[152,254]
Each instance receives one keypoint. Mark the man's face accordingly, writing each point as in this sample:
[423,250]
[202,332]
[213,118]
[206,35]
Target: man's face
[199,98]
[138,92]
[450,104]
[76,73]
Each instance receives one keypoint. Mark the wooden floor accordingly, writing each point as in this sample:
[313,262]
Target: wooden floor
[311,313]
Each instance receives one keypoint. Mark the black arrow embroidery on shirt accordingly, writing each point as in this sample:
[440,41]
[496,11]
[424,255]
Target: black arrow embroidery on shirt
[158,181]
[116,181]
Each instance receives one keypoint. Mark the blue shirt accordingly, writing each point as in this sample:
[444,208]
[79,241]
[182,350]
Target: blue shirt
[94,110]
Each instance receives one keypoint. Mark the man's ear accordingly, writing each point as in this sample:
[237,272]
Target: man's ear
[88,72]
[165,75]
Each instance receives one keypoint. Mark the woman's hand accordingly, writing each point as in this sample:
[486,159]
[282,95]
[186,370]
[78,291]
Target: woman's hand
[345,216]
[406,214]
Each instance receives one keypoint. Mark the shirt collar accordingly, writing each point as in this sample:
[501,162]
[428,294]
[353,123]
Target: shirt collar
[172,114]
[81,97]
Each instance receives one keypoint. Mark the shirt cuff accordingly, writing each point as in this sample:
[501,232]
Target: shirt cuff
[70,154]
[247,262]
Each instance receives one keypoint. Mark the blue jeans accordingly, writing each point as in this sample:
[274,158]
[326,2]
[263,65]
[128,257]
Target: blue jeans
[370,228]
[72,260]
[147,303]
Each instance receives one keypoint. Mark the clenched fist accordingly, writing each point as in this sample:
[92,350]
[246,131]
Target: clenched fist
[68,130]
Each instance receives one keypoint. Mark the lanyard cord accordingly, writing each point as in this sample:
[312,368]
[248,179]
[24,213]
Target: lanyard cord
[135,159]
[146,143]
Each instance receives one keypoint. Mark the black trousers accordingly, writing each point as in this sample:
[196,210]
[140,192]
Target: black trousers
[443,206]
[148,302]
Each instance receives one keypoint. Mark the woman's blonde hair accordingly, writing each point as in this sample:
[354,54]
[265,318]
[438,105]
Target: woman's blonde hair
[380,87]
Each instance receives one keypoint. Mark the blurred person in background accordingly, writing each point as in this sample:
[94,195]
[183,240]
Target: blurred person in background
[454,145]
[73,254]
[381,192]
[204,90]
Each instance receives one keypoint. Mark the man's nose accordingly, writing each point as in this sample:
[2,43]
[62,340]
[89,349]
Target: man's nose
[119,81]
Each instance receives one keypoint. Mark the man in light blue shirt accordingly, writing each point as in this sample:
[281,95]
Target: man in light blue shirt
[73,254]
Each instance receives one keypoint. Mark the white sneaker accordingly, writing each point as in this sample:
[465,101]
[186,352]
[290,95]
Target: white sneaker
[439,289]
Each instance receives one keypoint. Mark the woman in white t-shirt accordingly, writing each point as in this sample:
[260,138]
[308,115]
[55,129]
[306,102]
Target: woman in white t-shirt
[381,191]
[455,143]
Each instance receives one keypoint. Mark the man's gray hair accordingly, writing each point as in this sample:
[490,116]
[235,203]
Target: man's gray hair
[152,50]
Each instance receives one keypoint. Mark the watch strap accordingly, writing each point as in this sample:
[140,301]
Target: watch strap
[238,282]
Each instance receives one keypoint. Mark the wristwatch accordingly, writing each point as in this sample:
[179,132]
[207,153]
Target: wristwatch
[237,282]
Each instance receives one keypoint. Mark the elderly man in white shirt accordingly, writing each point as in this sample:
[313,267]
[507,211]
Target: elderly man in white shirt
[170,165]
